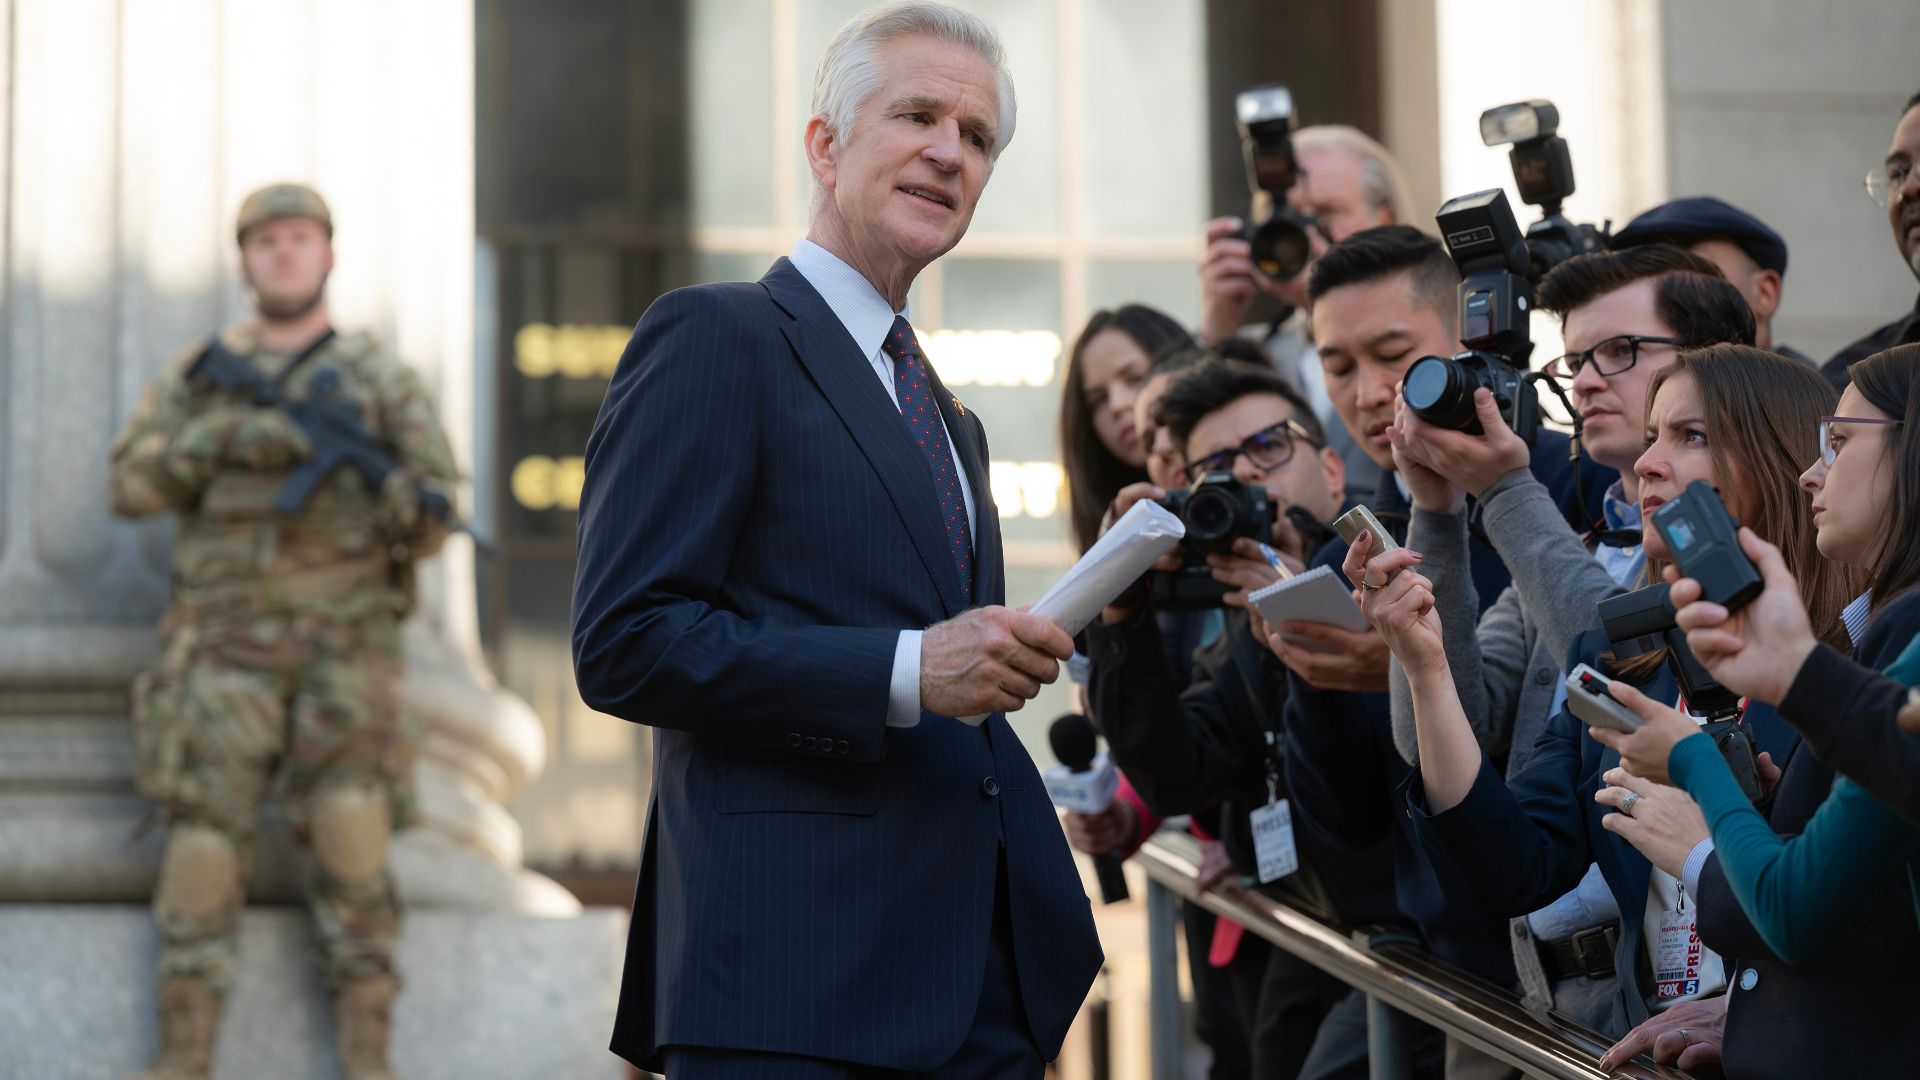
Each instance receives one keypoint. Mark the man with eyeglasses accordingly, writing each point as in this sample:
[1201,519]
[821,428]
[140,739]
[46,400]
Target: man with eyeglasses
[1625,315]
[1895,185]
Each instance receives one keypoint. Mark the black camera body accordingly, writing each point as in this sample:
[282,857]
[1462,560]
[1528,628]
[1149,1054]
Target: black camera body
[1485,242]
[1264,115]
[1216,510]
[1643,620]
[1543,172]
[1705,543]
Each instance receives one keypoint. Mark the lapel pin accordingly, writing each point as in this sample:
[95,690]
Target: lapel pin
[959,408]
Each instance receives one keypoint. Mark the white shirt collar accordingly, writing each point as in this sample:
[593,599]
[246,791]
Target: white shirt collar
[1854,616]
[858,305]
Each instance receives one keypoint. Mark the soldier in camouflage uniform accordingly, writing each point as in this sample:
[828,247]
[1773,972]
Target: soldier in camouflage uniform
[281,647]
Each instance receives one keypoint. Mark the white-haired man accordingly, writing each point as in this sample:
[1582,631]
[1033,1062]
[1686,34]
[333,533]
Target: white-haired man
[839,876]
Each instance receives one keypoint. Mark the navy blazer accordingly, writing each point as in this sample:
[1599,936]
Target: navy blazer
[1522,843]
[756,528]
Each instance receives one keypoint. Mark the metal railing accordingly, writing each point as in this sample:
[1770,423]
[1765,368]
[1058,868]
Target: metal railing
[1399,978]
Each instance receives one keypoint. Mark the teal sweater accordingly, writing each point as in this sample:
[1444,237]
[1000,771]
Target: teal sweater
[1795,890]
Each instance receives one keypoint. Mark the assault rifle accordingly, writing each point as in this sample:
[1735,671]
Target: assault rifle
[331,422]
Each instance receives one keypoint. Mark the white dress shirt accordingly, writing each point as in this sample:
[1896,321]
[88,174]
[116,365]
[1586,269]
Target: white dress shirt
[868,319]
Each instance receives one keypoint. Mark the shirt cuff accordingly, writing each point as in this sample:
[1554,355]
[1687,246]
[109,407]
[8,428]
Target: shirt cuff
[903,693]
[1696,862]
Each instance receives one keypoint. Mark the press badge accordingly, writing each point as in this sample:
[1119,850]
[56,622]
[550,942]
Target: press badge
[1273,845]
[1678,954]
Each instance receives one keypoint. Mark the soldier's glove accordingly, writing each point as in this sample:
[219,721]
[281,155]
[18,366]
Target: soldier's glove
[267,440]
[196,451]
[399,510]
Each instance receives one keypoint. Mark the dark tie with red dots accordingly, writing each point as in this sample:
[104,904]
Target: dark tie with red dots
[915,391]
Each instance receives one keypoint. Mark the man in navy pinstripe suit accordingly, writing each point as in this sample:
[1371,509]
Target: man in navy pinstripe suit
[840,878]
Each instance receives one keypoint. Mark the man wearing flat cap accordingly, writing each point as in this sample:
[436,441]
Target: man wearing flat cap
[1749,252]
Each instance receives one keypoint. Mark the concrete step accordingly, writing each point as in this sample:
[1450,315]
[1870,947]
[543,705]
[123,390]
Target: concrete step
[486,995]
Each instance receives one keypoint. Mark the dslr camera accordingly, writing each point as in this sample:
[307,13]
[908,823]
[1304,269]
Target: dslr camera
[1264,115]
[1216,510]
[1543,173]
[1485,242]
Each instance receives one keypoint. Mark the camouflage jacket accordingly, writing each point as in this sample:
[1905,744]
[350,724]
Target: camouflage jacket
[348,553]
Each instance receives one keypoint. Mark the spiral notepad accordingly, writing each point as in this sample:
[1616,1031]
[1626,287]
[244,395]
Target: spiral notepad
[1319,595]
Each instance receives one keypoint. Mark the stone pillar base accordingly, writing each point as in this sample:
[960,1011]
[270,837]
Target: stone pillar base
[486,995]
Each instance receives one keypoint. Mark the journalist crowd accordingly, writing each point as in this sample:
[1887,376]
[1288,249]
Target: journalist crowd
[1586,674]
[1623,721]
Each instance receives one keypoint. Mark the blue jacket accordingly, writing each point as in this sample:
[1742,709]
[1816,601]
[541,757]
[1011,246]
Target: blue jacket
[1522,842]
[1342,767]
[756,528]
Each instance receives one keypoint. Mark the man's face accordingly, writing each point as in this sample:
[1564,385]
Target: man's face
[1903,208]
[286,263]
[1332,187]
[903,184]
[1311,478]
[1613,408]
[1165,467]
[1368,335]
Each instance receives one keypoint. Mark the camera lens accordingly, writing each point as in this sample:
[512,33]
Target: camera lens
[1280,247]
[1210,517]
[1439,390]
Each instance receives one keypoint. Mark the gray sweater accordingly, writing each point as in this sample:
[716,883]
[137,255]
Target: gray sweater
[1506,668]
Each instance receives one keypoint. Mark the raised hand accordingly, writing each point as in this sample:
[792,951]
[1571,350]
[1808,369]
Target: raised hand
[1398,601]
[1645,751]
[1759,649]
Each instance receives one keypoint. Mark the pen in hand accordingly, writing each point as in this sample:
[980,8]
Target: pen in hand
[1273,559]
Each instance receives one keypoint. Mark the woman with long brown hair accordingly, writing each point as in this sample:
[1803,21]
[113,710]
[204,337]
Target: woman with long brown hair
[1740,419]
[1100,448]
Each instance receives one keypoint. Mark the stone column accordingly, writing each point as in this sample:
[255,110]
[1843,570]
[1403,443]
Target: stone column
[132,132]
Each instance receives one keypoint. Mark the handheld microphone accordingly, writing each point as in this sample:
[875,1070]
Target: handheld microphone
[1085,781]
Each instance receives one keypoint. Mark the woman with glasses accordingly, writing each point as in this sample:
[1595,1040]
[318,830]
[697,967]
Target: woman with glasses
[1742,420]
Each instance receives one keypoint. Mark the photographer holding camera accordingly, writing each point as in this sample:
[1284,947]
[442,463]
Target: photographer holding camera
[1381,299]
[1310,188]
[1251,442]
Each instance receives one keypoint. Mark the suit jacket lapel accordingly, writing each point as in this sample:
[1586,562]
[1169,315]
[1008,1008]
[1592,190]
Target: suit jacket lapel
[968,436]
[847,381]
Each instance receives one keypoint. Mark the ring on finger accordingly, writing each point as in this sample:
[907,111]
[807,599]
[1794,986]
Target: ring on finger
[1367,586]
[1627,804]
[1686,1040]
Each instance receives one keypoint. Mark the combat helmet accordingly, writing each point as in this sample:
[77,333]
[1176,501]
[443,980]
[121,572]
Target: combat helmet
[284,200]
